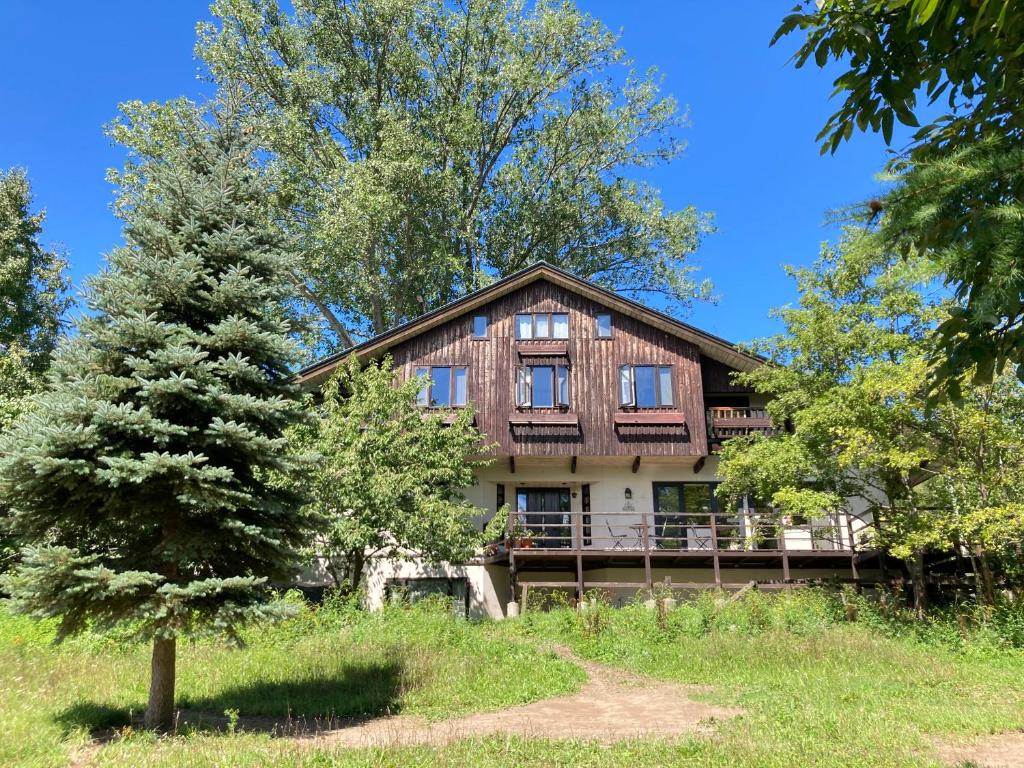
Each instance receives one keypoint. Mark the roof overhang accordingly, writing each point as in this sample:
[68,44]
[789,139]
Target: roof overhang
[712,346]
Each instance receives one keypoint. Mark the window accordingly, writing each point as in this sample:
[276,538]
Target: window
[446,386]
[542,386]
[480,326]
[542,325]
[604,326]
[645,386]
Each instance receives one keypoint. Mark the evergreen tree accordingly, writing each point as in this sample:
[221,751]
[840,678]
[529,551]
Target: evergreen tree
[148,479]
[33,286]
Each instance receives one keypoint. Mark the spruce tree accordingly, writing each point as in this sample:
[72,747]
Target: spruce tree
[150,481]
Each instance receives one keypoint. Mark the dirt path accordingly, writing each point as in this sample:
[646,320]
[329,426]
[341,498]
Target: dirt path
[612,705]
[1003,750]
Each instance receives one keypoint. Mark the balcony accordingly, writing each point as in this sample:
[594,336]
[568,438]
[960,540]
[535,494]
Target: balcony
[580,542]
[724,423]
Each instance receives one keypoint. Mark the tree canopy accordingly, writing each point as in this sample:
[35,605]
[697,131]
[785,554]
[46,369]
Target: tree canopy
[33,286]
[391,475]
[851,379]
[957,187]
[149,481]
[420,148]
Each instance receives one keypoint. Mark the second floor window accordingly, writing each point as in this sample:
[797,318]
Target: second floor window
[645,386]
[446,387]
[604,326]
[542,386]
[542,325]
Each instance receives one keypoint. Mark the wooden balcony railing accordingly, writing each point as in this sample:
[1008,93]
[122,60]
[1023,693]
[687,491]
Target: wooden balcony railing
[724,423]
[645,532]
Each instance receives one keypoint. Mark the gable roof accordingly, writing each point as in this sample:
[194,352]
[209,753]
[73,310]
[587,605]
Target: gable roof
[712,346]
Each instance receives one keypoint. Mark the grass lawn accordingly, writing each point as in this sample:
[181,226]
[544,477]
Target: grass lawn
[816,690]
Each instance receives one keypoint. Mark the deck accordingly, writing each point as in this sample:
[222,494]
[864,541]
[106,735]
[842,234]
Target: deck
[573,543]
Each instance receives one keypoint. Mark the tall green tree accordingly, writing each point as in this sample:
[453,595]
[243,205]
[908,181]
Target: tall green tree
[421,148]
[851,381]
[33,283]
[149,479]
[391,475]
[957,193]
[33,302]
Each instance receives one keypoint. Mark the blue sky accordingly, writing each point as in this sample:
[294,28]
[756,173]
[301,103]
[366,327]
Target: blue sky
[751,156]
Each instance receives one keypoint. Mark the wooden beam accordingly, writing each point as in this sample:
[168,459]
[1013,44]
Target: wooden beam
[572,465]
[699,465]
[636,464]
[512,464]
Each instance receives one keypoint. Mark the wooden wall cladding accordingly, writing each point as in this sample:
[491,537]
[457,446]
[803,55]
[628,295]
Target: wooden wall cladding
[593,379]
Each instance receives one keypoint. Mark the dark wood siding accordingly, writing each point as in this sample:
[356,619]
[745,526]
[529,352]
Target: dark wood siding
[717,377]
[593,379]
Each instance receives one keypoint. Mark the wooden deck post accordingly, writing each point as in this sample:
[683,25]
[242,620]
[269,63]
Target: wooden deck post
[579,558]
[647,552]
[714,550]
[785,553]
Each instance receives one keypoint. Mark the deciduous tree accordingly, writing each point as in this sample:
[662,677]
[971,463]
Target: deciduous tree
[391,475]
[421,148]
[957,194]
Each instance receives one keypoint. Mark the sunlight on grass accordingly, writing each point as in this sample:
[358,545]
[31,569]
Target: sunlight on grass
[815,689]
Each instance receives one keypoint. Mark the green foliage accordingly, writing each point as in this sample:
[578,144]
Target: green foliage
[144,477]
[420,148]
[852,380]
[33,286]
[391,474]
[968,51]
[958,187]
[964,209]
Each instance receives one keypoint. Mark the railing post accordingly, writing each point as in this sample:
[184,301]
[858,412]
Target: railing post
[714,549]
[579,558]
[644,529]
[785,554]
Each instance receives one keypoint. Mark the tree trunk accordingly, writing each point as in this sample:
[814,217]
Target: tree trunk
[987,592]
[916,566]
[357,560]
[160,712]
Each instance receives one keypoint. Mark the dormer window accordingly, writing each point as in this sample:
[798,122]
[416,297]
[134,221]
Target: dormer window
[446,386]
[542,325]
[645,386]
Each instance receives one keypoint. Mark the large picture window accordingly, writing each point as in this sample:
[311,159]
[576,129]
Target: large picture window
[542,386]
[446,386]
[542,325]
[645,386]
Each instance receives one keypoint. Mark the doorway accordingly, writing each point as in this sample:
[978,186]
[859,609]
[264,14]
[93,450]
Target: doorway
[544,512]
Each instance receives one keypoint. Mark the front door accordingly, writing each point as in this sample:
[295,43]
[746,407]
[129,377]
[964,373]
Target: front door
[545,514]
[682,515]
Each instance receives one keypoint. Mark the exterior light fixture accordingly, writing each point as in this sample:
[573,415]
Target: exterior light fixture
[629,493]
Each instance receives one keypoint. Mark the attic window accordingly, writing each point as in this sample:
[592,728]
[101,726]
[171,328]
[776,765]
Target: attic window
[604,326]
[542,325]
[480,326]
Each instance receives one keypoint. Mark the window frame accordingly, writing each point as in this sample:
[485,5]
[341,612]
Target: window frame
[550,317]
[597,326]
[524,386]
[631,402]
[428,389]
[487,327]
